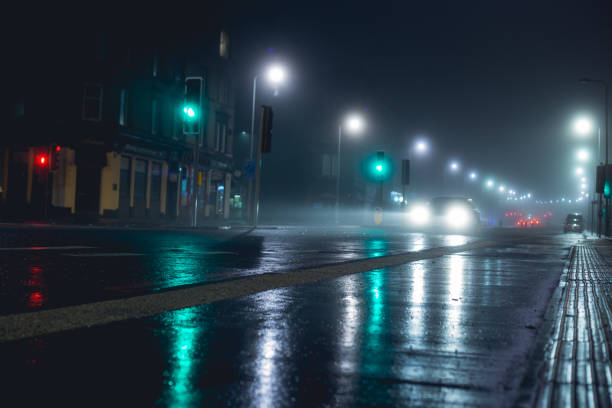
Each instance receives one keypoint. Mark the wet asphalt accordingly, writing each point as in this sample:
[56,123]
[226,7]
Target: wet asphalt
[43,268]
[456,330]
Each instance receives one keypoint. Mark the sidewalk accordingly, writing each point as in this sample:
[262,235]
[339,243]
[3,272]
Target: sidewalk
[577,367]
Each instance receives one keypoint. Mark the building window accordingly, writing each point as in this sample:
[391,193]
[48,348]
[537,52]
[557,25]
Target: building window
[123,107]
[220,136]
[92,102]
[224,44]
[329,165]
[154,117]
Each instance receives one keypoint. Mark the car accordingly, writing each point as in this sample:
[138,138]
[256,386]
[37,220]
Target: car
[573,223]
[528,222]
[449,214]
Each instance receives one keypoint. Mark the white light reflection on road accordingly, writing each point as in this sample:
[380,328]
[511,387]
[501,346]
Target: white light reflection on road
[455,301]
[349,339]
[417,307]
[267,388]
[455,240]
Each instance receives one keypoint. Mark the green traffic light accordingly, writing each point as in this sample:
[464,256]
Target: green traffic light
[606,190]
[379,168]
[189,112]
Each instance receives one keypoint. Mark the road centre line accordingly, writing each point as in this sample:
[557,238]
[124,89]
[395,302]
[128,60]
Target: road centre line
[103,254]
[32,324]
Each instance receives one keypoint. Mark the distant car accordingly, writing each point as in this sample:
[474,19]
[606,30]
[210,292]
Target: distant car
[529,222]
[573,223]
[449,214]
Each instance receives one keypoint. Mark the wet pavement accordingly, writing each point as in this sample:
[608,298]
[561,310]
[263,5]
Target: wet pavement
[577,368]
[456,330]
[43,268]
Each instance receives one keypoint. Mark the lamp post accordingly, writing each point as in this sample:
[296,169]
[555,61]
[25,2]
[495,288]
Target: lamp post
[354,124]
[275,75]
[421,148]
[605,89]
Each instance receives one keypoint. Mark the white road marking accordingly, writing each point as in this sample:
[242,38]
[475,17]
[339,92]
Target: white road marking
[31,324]
[108,254]
[44,248]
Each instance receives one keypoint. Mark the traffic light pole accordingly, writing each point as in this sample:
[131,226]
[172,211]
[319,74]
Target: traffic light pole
[258,171]
[250,188]
[337,209]
[196,159]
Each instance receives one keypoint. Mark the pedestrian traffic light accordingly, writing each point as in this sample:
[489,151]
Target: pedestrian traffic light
[192,106]
[266,128]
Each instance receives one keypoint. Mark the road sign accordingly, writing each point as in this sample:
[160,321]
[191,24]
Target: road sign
[249,169]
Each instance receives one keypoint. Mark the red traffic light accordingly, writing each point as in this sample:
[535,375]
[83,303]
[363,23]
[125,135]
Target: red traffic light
[42,159]
[57,148]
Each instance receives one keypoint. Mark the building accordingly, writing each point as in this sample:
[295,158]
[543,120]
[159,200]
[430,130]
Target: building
[98,133]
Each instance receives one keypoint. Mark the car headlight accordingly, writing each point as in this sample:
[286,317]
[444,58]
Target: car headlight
[419,215]
[457,217]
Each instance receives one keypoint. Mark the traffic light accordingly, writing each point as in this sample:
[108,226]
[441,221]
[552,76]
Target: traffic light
[380,162]
[405,172]
[377,167]
[192,106]
[55,152]
[266,128]
[42,160]
[607,187]
[600,179]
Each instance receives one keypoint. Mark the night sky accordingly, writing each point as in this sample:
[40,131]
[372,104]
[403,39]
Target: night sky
[493,84]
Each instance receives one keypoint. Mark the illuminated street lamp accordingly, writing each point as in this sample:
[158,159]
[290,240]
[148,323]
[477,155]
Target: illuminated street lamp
[421,147]
[354,124]
[583,126]
[453,166]
[582,155]
[473,175]
[490,183]
[502,189]
[579,171]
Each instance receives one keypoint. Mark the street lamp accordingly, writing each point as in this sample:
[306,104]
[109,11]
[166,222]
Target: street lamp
[354,124]
[421,147]
[605,88]
[583,126]
[454,166]
[579,171]
[473,175]
[582,155]
[490,183]
[276,75]
[605,114]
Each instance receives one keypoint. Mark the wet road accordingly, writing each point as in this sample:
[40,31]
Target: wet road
[450,331]
[44,268]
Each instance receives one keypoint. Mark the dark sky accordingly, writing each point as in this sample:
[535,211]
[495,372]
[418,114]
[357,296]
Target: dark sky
[492,83]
